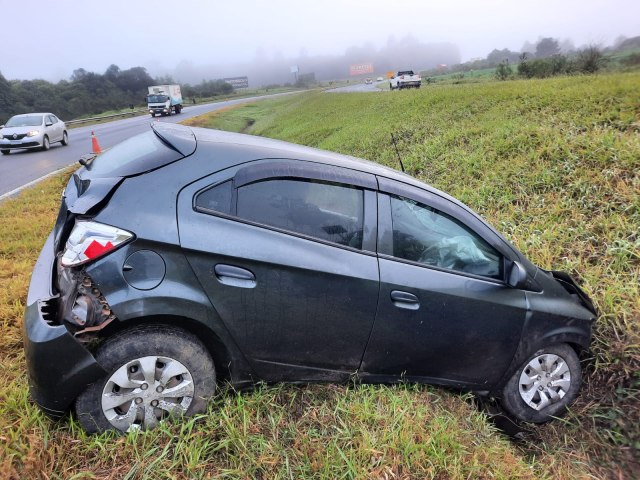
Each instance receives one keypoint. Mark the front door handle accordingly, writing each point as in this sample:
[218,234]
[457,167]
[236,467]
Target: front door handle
[234,276]
[405,300]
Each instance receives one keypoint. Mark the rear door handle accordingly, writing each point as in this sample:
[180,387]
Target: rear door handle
[234,276]
[405,300]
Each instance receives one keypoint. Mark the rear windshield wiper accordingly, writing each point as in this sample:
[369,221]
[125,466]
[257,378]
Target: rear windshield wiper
[87,159]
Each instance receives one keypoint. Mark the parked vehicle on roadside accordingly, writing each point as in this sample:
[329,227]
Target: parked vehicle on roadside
[31,131]
[164,99]
[183,256]
[379,79]
[405,79]
[368,81]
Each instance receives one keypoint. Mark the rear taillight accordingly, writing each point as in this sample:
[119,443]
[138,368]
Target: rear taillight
[91,240]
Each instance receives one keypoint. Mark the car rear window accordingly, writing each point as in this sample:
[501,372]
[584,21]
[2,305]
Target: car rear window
[136,155]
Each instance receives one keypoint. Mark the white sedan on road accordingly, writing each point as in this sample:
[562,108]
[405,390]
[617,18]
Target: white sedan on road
[32,130]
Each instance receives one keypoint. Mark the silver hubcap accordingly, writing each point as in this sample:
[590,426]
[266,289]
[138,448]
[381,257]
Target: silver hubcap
[144,391]
[544,381]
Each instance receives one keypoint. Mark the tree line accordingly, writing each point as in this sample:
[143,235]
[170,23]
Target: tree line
[547,57]
[90,93]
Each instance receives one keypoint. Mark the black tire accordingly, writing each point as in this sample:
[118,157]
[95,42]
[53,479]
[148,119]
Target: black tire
[45,143]
[65,138]
[173,345]
[5,151]
[153,114]
[512,398]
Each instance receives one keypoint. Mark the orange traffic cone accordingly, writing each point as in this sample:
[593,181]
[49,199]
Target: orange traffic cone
[94,143]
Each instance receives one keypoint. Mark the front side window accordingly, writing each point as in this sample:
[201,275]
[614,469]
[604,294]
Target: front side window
[425,235]
[322,210]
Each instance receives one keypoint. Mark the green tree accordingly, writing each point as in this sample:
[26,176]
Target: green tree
[547,47]
[504,70]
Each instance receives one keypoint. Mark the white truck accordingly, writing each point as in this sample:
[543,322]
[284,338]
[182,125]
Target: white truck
[405,79]
[164,99]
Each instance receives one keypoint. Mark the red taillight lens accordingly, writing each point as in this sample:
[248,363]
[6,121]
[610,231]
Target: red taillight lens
[91,240]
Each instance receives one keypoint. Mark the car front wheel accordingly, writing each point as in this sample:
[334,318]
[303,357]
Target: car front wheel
[544,385]
[45,143]
[5,151]
[65,139]
[153,373]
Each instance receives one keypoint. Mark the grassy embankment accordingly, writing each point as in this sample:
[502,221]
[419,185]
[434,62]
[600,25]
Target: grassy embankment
[553,164]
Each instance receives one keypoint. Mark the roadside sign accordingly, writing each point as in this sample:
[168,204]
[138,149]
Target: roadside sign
[390,74]
[360,68]
[237,82]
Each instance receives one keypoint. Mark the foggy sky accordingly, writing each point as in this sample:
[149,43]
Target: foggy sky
[50,38]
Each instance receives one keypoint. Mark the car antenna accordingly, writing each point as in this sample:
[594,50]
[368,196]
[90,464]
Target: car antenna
[393,140]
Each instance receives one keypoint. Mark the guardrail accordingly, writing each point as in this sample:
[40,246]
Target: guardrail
[115,115]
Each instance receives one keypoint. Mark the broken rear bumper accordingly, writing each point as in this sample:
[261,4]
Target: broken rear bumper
[58,366]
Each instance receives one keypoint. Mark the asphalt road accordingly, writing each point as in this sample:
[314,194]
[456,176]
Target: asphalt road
[23,166]
[358,87]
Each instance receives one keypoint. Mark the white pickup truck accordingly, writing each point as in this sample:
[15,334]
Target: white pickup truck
[405,79]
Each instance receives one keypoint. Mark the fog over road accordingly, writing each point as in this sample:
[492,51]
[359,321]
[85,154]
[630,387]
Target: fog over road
[24,166]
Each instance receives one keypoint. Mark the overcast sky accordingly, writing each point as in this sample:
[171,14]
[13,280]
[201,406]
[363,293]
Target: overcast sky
[50,38]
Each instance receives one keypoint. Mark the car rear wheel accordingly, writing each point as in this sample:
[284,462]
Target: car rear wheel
[5,151]
[45,143]
[544,385]
[152,373]
[65,139]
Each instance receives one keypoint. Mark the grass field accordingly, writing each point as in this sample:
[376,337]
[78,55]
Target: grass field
[553,164]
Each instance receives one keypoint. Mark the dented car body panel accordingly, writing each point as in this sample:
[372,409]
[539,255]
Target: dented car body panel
[280,302]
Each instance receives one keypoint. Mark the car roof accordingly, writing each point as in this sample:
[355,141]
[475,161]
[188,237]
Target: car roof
[209,138]
[32,113]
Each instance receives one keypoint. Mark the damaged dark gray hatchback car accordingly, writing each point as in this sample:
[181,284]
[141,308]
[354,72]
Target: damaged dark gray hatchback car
[185,256]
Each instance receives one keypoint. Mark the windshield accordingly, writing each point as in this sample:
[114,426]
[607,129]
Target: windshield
[157,98]
[25,121]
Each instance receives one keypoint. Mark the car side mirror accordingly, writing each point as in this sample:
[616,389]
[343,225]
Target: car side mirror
[48,124]
[517,276]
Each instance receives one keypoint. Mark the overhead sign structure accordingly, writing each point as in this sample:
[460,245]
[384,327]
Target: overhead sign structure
[360,68]
[237,82]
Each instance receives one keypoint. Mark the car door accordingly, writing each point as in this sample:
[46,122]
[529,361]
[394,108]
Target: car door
[285,250]
[445,315]
[51,128]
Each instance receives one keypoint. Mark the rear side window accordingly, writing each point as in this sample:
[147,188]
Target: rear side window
[327,211]
[216,199]
[425,235]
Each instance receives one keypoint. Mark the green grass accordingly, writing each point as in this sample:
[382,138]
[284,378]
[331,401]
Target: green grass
[553,164]
[473,76]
